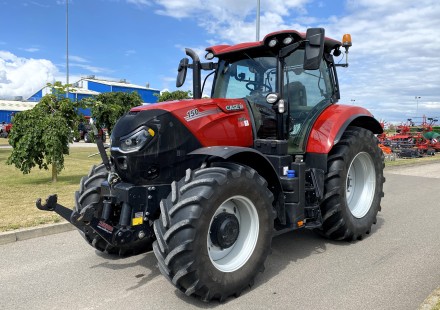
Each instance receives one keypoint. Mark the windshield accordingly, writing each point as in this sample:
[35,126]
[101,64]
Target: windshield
[248,77]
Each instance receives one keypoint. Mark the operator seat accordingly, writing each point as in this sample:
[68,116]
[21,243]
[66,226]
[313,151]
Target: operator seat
[295,93]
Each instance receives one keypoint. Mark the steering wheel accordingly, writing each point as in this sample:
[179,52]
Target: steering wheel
[254,86]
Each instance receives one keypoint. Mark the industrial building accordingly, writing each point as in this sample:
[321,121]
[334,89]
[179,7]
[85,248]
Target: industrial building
[86,87]
[10,107]
[90,86]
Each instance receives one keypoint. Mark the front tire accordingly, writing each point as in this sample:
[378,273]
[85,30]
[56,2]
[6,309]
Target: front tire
[353,186]
[90,194]
[215,231]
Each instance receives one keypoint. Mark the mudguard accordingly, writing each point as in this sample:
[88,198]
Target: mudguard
[333,121]
[256,160]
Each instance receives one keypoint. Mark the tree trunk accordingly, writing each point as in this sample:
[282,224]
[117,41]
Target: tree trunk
[54,173]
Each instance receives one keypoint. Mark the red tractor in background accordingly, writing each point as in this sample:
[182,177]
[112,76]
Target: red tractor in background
[206,183]
[85,132]
[5,128]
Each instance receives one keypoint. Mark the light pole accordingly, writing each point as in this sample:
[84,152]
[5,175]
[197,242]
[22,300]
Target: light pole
[258,21]
[67,48]
[417,101]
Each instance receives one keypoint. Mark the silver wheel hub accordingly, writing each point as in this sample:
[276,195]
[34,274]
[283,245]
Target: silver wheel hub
[233,234]
[360,185]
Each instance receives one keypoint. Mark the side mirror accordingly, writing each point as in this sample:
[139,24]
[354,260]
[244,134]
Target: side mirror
[181,72]
[314,48]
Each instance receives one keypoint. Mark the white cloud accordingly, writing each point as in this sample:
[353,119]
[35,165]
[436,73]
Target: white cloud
[394,57]
[30,49]
[90,68]
[129,52]
[395,47]
[23,76]
[139,2]
[77,59]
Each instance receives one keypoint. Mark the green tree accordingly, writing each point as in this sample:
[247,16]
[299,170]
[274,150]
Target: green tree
[40,136]
[175,95]
[107,108]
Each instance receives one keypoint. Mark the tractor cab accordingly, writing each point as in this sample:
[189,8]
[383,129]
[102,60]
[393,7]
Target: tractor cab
[288,79]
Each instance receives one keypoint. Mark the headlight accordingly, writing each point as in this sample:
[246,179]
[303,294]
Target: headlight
[136,140]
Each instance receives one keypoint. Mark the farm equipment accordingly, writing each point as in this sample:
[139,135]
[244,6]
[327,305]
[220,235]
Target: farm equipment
[5,129]
[85,132]
[206,183]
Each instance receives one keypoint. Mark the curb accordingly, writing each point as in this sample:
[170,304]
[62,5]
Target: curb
[29,233]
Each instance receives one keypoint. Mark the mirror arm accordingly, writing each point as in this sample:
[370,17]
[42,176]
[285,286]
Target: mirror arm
[286,51]
[209,66]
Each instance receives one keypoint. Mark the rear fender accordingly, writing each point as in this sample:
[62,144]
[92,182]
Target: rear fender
[256,160]
[332,123]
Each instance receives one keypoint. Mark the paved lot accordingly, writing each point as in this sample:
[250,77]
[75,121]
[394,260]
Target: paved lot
[396,267]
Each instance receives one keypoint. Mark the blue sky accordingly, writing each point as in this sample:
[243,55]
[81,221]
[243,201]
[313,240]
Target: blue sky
[394,57]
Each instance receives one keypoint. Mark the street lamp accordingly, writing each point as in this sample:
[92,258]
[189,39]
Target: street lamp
[258,21]
[67,48]
[417,100]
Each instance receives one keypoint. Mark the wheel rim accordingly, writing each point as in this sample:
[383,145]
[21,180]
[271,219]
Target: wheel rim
[360,185]
[235,256]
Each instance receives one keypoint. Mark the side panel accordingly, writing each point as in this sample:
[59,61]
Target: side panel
[330,125]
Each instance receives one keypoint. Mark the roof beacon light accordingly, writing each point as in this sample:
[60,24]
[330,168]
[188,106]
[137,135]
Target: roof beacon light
[346,41]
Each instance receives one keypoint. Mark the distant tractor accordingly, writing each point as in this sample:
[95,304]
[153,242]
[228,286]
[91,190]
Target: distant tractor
[5,128]
[206,183]
[85,132]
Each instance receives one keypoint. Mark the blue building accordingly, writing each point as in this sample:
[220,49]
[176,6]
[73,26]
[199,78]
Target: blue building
[86,87]
[10,107]
[91,86]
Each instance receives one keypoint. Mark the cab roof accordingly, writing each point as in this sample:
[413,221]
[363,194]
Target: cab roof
[222,50]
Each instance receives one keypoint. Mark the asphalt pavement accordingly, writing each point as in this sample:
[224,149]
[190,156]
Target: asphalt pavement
[395,267]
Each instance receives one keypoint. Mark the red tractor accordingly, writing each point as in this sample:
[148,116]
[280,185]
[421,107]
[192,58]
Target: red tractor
[5,129]
[207,183]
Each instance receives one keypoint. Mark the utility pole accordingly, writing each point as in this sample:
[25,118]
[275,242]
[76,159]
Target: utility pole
[258,21]
[67,48]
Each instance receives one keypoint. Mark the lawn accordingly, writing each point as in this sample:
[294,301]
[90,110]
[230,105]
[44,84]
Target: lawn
[4,141]
[18,192]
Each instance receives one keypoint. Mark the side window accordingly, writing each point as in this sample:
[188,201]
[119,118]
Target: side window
[306,87]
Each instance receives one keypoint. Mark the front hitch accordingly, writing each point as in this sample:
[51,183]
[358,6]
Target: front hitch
[77,219]
[115,236]
[52,205]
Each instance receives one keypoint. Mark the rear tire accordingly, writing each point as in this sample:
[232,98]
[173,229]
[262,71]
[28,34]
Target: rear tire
[353,186]
[215,231]
[90,193]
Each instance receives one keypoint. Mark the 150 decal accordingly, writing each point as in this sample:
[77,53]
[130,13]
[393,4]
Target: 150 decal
[193,114]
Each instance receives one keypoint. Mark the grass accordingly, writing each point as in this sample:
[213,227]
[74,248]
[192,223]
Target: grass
[412,161]
[4,141]
[18,192]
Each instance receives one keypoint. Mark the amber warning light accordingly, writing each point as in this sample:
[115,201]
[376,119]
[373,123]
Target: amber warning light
[346,40]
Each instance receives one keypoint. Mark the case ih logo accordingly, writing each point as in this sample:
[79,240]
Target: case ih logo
[234,107]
